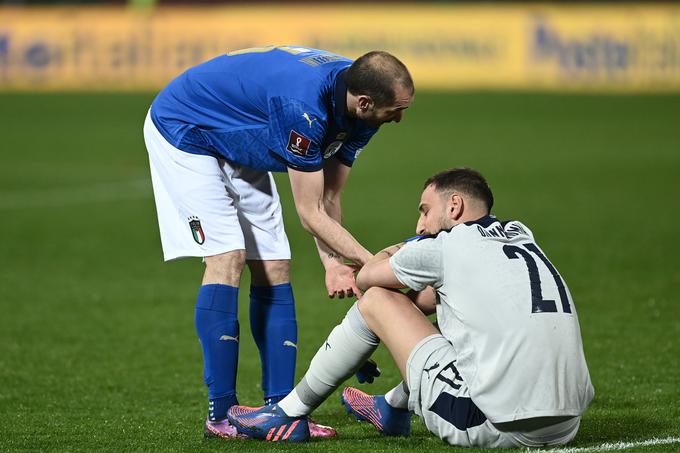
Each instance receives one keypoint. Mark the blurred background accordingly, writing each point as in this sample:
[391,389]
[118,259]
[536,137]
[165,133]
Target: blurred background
[571,110]
[141,44]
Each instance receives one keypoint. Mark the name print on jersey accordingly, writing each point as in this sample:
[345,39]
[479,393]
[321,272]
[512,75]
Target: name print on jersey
[497,231]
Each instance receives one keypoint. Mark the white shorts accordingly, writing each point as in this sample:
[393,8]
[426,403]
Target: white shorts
[441,397]
[208,206]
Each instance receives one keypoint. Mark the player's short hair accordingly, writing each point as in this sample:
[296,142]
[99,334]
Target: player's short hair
[375,74]
[466,180]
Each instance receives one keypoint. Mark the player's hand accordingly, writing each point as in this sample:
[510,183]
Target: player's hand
[340,281]
[368,372]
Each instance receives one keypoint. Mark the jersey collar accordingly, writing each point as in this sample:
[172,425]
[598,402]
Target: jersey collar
[485,221]
[340,95]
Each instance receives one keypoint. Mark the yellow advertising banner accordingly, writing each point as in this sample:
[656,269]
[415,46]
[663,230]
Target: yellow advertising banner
[628,47]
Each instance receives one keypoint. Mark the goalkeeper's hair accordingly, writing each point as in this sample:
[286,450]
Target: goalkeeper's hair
[466,180]
[375,74]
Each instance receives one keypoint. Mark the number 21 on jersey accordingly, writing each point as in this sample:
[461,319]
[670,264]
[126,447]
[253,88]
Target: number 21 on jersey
[538,304]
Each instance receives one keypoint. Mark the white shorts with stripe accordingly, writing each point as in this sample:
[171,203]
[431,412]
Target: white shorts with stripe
[441,397]
[208,206]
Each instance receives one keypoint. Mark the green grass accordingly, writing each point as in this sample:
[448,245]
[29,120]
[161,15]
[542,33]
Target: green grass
[97,346]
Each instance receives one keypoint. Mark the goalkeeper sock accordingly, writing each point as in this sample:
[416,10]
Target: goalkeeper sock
[398,396]
[218,329]
[274,328]
[348,346]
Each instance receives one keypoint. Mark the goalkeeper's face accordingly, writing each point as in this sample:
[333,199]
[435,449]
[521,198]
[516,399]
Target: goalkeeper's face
[434,212]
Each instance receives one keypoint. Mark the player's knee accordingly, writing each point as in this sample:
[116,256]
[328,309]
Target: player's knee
[270,272]
[373,299]
[224,268]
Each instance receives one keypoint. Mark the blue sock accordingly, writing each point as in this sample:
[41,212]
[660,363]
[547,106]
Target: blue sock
[272,321]
[218,330]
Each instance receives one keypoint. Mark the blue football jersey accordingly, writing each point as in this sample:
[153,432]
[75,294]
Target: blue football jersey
[266,108]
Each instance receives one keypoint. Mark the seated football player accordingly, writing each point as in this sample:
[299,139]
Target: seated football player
[506,367]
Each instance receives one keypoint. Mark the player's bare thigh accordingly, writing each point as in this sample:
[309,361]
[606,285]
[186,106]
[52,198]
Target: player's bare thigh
[396,321]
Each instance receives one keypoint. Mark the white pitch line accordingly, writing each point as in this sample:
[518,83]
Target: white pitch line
[63,196]
[611,446]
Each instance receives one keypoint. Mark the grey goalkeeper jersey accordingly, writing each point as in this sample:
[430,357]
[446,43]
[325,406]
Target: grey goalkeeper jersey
[509,316]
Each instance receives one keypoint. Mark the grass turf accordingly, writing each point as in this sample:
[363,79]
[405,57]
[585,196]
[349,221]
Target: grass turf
[97,346]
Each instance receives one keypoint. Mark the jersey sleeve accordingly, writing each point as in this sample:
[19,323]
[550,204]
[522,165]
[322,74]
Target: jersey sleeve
[351,150]
[292,139]
[419,263]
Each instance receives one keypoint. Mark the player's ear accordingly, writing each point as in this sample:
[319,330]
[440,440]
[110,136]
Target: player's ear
[365,103]
[455,206]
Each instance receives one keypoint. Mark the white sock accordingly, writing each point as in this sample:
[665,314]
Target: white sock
[293,405]
[398,396]
[348,346]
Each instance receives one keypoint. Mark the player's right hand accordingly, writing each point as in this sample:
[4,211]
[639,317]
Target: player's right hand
[340,281]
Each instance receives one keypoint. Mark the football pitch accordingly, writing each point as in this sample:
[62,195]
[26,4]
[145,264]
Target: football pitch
[97,344]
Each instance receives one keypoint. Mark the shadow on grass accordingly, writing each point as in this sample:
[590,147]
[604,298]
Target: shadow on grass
[621,427]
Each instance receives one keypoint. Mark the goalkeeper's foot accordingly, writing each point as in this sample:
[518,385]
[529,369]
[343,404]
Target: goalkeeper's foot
[268,423]
[388,420]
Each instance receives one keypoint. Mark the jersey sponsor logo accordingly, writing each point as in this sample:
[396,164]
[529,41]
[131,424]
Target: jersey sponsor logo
[298,143]
[308,118]
[197,230]
[331,149]
[433,367]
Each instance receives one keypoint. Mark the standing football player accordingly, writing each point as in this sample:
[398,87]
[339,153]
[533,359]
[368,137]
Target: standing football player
[214,135]
[506,367]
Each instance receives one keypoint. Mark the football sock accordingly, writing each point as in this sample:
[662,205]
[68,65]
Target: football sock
[218,329]
[274,328]
[398,396]
[348,346]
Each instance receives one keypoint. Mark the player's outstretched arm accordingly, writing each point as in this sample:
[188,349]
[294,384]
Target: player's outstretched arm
[340,279]
[333,241]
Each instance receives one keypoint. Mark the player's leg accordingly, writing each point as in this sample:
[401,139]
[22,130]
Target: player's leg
[436,390]
[394,316]
[273,325]
[345,350]
[378,312]
[197,218]
[397,397]
[272,305]
[387,312]
[217,326]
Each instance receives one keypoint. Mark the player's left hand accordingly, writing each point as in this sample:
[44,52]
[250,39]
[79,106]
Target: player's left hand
[340,281]
[368,372]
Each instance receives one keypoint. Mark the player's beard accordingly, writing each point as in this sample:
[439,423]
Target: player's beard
[445,223]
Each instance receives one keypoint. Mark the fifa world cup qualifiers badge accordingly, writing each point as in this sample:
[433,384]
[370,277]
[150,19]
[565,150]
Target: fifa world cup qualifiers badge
[298,143]
[197,230]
